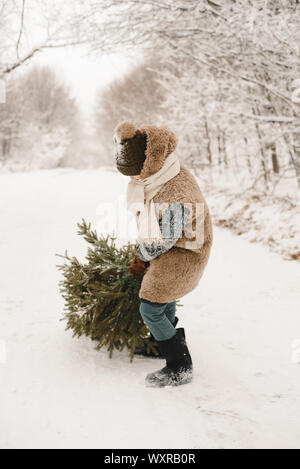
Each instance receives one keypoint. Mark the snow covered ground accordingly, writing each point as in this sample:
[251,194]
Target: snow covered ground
[268,219]
[58,392]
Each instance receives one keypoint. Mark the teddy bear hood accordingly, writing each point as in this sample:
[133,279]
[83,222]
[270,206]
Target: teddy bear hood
[161,142]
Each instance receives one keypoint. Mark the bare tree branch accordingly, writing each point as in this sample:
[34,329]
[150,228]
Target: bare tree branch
[21,29]
[238,75]
[20,62]
[284,119]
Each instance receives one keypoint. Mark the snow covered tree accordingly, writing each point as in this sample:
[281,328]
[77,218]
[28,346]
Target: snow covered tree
[137,96]
[39,121]
[227,75]
[101,296]
[230,72]
[28,28]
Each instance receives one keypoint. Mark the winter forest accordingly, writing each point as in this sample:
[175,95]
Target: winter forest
[225,76]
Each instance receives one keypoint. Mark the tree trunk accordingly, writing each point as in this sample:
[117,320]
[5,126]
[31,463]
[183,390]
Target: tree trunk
[262,150]
[225,159]
[209,153]
[248,156]
[275,163]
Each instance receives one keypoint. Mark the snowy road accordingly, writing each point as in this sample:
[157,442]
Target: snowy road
[57,392]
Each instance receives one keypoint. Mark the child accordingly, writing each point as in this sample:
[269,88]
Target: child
[174,238]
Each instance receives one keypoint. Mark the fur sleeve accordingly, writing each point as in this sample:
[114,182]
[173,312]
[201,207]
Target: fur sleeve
[171,225]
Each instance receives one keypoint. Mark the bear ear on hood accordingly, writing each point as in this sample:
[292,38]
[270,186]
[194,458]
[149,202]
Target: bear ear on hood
[125,130]
[161,141]
[173,140]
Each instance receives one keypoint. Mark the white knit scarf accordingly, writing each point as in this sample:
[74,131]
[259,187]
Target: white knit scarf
[140,193]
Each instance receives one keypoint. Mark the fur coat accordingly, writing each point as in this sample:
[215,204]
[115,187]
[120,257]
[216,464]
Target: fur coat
[178,271]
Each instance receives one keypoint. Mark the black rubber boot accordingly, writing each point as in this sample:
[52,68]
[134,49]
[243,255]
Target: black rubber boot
[179,368]
[145,351]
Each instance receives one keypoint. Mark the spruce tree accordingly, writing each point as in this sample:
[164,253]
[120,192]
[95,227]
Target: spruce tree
[101,296]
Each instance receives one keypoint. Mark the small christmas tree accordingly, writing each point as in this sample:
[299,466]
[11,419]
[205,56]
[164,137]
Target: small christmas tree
[101,297]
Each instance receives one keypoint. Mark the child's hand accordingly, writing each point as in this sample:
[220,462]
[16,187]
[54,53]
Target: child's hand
[137,266]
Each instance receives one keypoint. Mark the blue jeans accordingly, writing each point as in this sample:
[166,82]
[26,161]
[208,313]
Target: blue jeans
[159,317]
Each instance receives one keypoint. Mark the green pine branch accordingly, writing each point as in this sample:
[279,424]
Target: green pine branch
[101,297]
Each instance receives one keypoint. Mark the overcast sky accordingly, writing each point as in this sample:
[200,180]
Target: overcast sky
[85,75]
